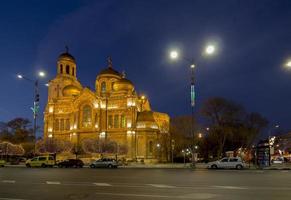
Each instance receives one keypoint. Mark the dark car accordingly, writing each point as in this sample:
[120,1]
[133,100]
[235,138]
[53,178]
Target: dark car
[71,163]
[104,163]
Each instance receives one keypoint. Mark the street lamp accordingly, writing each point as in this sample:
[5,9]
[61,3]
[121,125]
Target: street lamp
[35,107]
[184,157]
[271,140]
[200,135]
[174,55]
[41,74]
[288,64]
[209,49]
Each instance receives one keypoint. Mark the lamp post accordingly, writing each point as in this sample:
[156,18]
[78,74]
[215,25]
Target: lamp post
[271,140]
[184,157]
[174,55]
[35,107]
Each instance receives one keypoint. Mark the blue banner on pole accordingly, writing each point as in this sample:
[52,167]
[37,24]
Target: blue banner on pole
[192,95]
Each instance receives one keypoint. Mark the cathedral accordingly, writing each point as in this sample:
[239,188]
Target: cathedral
[114,111]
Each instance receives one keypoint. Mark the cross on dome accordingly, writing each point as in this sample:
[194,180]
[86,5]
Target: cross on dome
[109,61]
[67,49]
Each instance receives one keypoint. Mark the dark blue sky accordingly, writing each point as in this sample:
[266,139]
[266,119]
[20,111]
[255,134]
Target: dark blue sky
[253,37]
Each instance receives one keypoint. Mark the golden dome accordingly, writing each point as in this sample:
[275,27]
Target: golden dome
[71,90]
[123,84]
[66,56]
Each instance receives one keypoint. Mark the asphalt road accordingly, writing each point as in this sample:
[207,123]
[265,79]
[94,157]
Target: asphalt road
[141,184]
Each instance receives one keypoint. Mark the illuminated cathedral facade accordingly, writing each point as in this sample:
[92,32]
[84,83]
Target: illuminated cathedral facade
[114,111]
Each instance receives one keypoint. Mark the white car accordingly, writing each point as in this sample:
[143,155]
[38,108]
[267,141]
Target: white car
[229,163]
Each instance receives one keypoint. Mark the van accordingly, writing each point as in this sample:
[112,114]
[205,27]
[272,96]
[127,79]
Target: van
[40,161]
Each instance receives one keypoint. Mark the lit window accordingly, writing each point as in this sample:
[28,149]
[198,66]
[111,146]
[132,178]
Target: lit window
[62,124]
[110,121]
[116,120]
[87,116]
[57,126]
[67,124]
[151,147]
[103,87]
[123,121]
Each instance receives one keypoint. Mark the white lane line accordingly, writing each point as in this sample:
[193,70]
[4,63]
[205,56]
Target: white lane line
[53,182]
[134,195]
[161,186]
[230,187]
[102,184]
[8,181]
[284,171]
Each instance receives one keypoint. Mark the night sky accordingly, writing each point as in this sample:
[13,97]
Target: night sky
[253,40]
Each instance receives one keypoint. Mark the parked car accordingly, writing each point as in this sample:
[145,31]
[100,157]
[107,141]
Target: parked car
[2,163]
[17,161]
[278,160]
[71,163]
[40,161]
[229,163]
[104,163]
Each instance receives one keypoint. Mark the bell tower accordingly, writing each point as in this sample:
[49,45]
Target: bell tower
[67,65]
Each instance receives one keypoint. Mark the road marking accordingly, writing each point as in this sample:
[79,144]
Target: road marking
[102,184]
[137,195]
[161,186]
[53,182]
[8,181]
[259,171]
[284,171]
[230,187]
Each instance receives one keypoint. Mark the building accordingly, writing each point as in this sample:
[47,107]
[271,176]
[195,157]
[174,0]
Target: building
[113,112]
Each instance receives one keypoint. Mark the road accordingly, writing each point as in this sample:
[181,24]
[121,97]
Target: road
[143,184]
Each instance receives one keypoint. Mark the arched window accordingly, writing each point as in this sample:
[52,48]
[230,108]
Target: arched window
[87,116]
[73,73]
[61,68]
[151,147]
[103,86]
[68,69]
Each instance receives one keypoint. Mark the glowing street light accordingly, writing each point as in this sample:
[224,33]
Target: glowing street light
[35,108]
[210,49]
[174,54]
[41,74]
[288,64]
[19,76]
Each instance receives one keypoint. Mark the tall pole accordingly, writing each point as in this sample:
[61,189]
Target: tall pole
[35,112]
[192,113]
